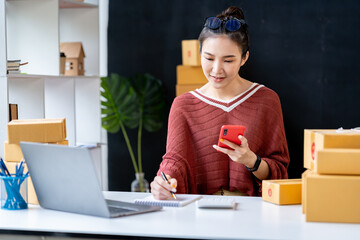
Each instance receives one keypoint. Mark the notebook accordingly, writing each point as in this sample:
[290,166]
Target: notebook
[65,179]
[181,200]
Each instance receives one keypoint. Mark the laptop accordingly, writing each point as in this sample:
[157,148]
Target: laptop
[65,179]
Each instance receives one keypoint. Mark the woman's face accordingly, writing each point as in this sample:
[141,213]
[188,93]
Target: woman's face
[221,61]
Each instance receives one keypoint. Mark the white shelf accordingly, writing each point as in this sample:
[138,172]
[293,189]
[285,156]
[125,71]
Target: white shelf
[75,98]
[30,76]
[33,35]
[31,30]
[78,4]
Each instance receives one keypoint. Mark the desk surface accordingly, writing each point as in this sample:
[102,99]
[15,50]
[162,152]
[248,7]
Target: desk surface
[253,219]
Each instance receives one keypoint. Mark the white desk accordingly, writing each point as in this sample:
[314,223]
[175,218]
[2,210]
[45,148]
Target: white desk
[253,219]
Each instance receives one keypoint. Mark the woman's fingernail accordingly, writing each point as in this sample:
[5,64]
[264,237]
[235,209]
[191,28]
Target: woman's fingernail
[173,186]
[221,140]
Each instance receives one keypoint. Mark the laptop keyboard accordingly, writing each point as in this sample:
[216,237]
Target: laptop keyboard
[118,210]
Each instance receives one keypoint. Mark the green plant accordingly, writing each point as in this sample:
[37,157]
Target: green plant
[132,103]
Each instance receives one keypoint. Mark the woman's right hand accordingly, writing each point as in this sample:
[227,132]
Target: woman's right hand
[160,189]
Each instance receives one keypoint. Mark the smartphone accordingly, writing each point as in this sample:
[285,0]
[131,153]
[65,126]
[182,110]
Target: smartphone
[230,133]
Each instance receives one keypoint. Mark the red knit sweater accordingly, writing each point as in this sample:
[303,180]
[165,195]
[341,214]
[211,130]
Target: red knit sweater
[194,125]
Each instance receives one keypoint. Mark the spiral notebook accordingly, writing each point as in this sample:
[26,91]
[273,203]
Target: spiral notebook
[181,200]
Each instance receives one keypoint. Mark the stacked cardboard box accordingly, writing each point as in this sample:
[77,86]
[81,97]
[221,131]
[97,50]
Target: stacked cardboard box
[189,75]
[31,130]
[331,183]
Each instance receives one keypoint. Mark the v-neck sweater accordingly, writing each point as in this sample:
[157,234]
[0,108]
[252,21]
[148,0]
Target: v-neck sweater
[194,125]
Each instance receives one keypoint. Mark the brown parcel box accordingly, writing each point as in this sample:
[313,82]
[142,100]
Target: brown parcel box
[32,198]
[181,88]
[190,52]
[334,139]
[37,130]
[332,198]
[13,153]
[309,147]
[303,187]
[316,139]
[190,75]
[282,192]
[340,161]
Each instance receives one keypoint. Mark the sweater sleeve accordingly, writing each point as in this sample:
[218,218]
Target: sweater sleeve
[179,151]
[275,151]
[271,144]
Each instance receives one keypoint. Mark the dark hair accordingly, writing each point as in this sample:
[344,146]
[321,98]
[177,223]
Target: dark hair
[241,36]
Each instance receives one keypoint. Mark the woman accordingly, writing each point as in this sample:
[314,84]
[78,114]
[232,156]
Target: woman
[192,163]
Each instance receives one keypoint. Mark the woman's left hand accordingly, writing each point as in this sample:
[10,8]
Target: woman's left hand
[240,154]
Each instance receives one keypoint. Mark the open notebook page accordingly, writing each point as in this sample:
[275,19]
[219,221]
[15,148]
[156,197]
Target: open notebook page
[180,201]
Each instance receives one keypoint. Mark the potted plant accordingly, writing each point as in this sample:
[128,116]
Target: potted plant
[137,103]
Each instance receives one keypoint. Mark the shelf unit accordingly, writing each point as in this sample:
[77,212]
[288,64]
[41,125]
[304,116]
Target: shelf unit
[31,30]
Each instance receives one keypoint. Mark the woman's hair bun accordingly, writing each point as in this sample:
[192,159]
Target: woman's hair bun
[232,11]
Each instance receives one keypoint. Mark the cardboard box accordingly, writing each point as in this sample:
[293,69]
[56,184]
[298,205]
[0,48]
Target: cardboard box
[37,130]
[12,152]
[190,52]
[190,75]
[309,147]
[303,189]
[282,192]
[182,88]
[332,198]
[337,161]
[317,139]
[32,198]
[74,62]
[334,139]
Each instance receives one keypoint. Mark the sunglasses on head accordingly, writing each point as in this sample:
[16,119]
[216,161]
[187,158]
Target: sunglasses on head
[231,24]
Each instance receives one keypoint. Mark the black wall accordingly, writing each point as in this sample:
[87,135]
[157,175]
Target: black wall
[307,51]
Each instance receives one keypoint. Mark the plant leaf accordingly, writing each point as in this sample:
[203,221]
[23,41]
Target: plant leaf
[120,100]
[151,99]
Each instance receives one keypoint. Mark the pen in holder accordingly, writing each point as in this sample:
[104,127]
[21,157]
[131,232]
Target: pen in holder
[14,192]
[13,187]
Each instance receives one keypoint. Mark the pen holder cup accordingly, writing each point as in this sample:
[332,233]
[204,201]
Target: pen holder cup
[14,192]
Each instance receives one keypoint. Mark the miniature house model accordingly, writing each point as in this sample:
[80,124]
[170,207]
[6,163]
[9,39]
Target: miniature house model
[75,55]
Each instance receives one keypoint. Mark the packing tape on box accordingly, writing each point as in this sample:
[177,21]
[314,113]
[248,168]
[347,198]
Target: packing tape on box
[341,130]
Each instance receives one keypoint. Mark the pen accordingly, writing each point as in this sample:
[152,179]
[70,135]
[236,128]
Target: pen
[4,168]
[166,180]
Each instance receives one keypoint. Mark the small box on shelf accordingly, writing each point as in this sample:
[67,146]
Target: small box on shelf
[62,63]
[37,130]
[74,51]
[13,111]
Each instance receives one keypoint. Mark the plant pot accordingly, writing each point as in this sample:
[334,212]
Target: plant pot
[139,184]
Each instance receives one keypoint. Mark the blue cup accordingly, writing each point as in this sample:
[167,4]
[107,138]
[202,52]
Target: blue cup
[14,192]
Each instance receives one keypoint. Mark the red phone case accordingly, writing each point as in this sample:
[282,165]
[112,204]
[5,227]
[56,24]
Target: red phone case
[230,133]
